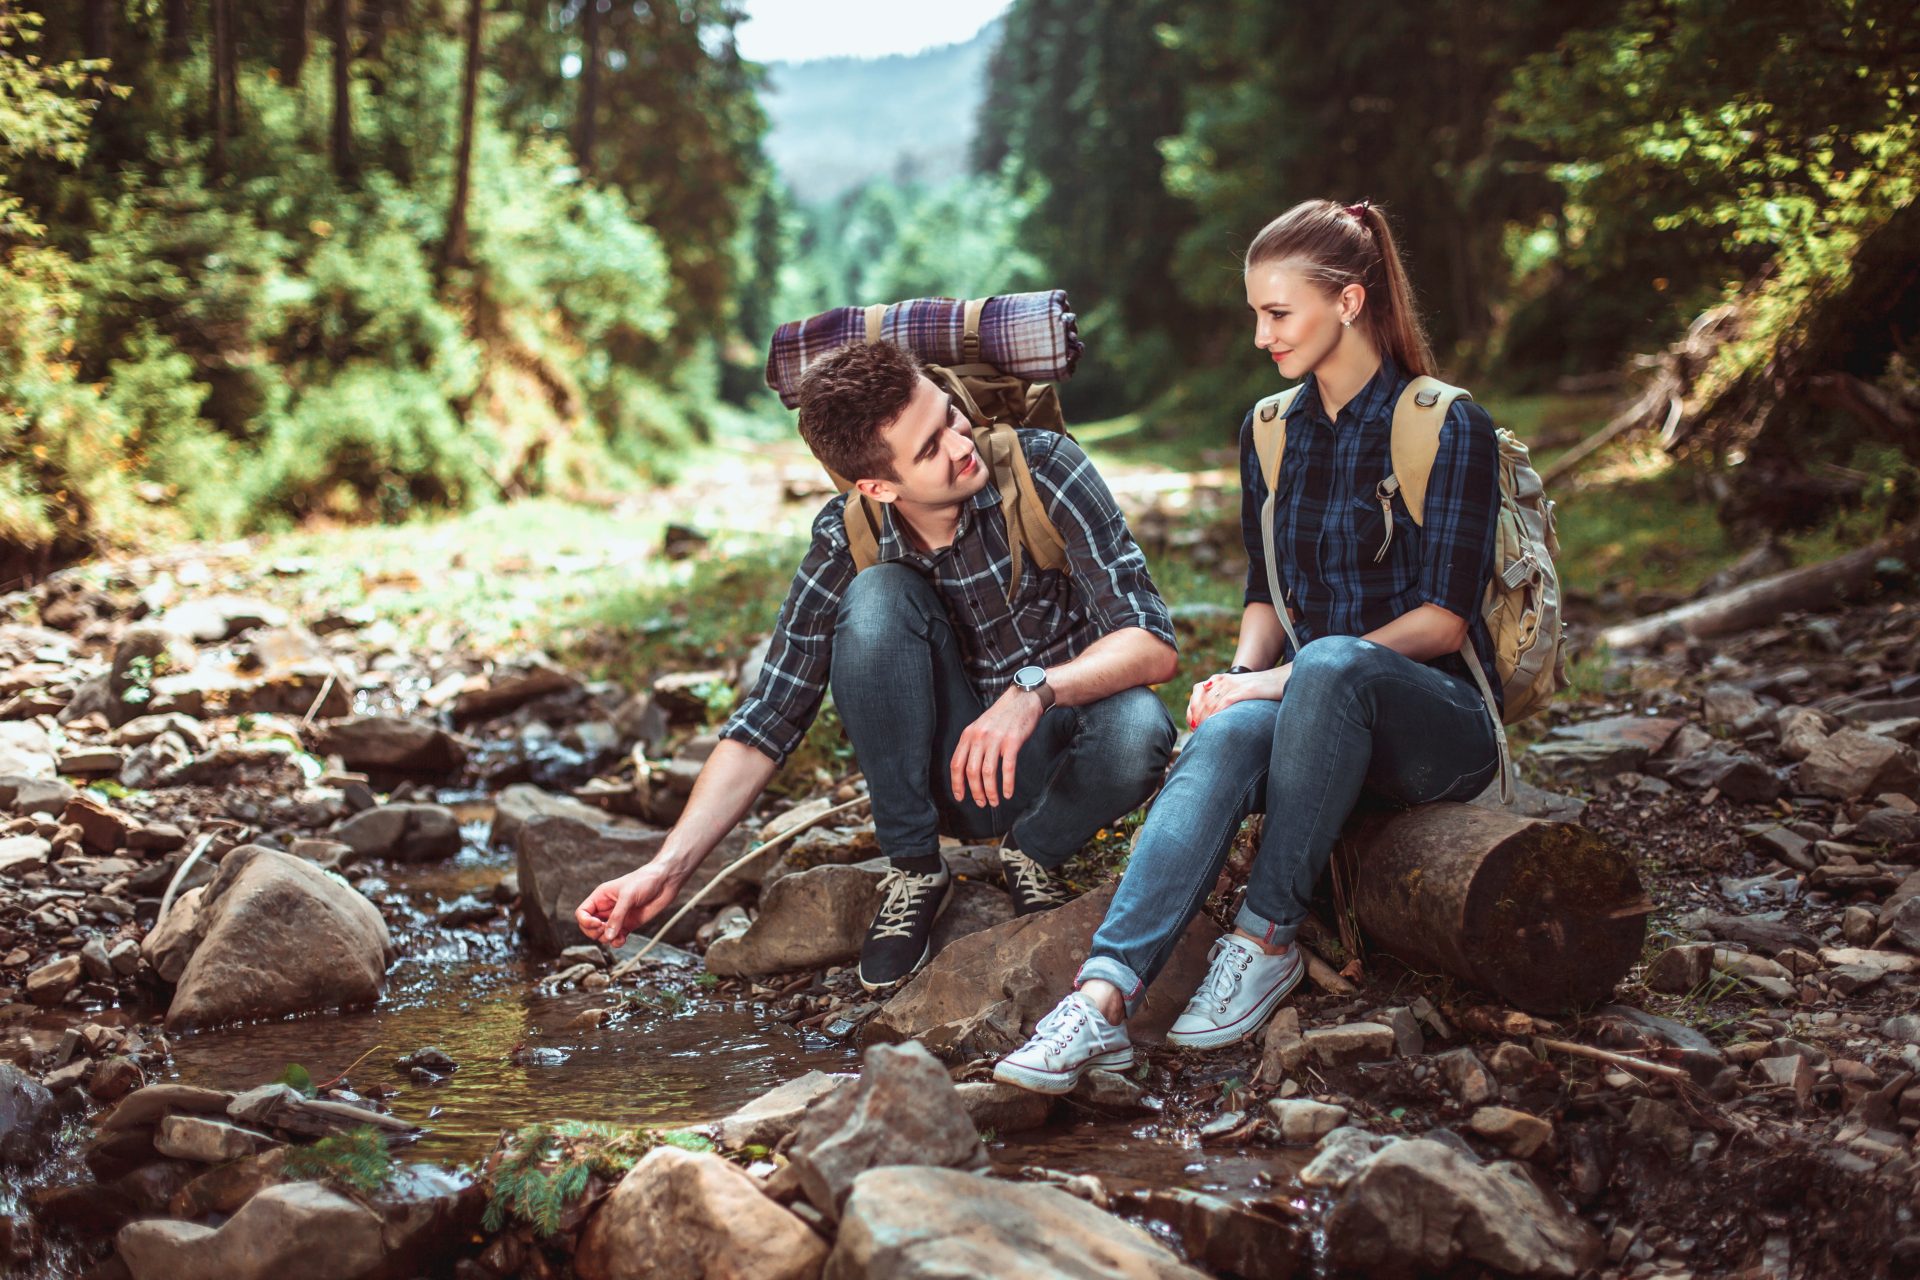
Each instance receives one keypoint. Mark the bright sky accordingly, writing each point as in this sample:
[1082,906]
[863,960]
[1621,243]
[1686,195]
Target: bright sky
[801,30]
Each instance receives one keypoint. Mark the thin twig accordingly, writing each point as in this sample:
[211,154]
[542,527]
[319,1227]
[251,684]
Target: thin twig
[626,966]
[1323,974]
[166,899]
[1616,1059]
[343,1075]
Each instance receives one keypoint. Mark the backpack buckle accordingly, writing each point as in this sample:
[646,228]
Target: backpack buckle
[1426,399]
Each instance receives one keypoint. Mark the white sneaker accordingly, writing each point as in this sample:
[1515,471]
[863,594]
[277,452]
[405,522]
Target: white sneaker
[1067,1043]
[1242,987]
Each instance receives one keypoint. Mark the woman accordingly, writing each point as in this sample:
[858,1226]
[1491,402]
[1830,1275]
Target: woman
[1377,697]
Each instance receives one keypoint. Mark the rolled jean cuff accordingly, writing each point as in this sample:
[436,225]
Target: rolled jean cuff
[1247,920]
[1107,969]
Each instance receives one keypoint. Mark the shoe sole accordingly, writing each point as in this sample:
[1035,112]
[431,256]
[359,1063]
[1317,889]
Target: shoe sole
[925,955]
[1243,1026]
[1034,1080]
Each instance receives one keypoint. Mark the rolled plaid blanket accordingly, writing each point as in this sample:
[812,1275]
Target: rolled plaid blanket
[1029,335]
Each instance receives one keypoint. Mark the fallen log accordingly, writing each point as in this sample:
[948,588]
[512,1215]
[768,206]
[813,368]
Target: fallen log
[1543,915]
[1814,586]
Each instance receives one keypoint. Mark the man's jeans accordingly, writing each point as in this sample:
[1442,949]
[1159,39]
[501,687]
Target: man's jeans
[1356,716]
[902,691]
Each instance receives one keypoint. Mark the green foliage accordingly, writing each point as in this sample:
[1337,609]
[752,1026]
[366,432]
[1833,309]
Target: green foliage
[357,1160]
[296,1077]
[544,1168]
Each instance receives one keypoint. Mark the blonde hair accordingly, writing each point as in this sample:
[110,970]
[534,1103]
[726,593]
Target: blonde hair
[1339,245]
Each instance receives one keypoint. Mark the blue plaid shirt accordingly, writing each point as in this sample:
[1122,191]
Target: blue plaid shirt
[1054,614]
[1328,524]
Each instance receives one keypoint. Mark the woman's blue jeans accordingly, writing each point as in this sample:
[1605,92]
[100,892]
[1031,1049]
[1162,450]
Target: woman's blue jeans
[903,695]
[1356,717]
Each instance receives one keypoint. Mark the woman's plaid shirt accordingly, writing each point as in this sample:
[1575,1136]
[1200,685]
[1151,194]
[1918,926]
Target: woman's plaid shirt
[1053,616]
[1328,526]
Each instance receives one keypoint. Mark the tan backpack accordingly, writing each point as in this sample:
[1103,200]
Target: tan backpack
[995,403]
[1522,608]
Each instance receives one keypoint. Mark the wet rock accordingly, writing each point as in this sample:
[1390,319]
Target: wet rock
[147,1106]
[1515,1132]
[387,743]
[1421,1207]
[982,995]
[402,832]
[773,1115]
[1302,1122]
[1350,1043]
[816,917]
[428,1058]
[1467,1077]
[206,1141]
[495,694]
[1003,1108]
[278,935]
[918,1224]
[1342,1155]
[902,1110]
[1601,748]
[560,861]
[50,983]
[679,1215]
[523,800]
[226,1187]
[1283,1050]
[115,1078]
[1851,763]
[29,1117]
[299,1231]
[1109,1091]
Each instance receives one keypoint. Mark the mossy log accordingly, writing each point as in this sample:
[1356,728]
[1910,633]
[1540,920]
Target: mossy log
[1545,915]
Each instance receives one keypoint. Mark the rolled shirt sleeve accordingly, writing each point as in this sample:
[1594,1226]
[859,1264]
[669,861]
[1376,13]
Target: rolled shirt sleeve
[1461,513]
[1109,570]
[1253,495]
[793,681]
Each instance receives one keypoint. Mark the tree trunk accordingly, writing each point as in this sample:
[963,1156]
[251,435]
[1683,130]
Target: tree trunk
[453,252]
[173,45]
[293,44]
[217,82]
[1543,915]
[98,32]
[342,88]
[589,90]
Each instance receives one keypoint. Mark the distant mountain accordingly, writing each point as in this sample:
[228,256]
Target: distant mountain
[837,122]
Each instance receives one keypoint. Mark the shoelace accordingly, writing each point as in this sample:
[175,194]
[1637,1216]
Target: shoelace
[1223,978]
[1030,877]
[1055,1032]
[904,891]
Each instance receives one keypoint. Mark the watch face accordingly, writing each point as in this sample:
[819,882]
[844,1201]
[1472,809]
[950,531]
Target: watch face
[1030,677]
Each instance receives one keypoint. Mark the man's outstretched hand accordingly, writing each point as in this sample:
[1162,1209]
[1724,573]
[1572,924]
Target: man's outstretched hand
[620,906]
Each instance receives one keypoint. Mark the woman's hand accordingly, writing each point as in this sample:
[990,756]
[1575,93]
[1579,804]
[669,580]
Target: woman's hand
[1218,692]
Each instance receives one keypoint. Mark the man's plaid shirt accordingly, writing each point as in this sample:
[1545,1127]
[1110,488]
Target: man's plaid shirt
[1054,614]
[1328,524]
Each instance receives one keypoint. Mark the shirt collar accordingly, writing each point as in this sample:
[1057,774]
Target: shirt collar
[894,544]
[1373,404]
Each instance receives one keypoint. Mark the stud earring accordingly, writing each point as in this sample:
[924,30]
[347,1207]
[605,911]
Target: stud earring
[1346,324]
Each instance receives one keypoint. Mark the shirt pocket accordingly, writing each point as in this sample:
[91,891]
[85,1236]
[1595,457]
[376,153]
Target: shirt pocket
[1044,610]
[1385,547]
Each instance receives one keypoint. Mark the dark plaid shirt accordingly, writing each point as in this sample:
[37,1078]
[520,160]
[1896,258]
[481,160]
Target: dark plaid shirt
[1328,524]
[1054,614]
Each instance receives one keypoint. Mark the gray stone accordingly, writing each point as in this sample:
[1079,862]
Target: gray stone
[521,801]
[814,918]
[1658,1124]
[1851,763]
[1903,1027]
[204,1141]
[1801,730]
[387,743]
[774,1114]
[682,1215]
[1728,704]
[26,795]
[29,1118]
[94,959]
[402,832]
[559,861]
[902,1110]
[299,1231]
[278,936]
[1783,844]
[911,1223]
[146,1106]
[1302,1122]
[1734,774]
[1515,1132]
[1888,826]
[1342,1155]
[1350,1043]
[1408,1040]
[1004,1108]
[1109,1091]
[1905,924]
[1595,749]
[1420,1207]
[1467,1077]
[1530,801]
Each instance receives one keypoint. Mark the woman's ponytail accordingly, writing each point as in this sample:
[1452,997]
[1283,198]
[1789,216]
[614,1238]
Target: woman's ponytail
[1339,245]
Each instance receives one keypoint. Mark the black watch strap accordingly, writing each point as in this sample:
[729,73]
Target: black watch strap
[1239,671]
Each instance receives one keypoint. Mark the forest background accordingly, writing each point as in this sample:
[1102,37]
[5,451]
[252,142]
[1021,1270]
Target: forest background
[345,261]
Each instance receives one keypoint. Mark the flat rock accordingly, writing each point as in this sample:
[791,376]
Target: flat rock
[21,854]
[401,832]
[521,801]
[812,918]
[682,1215]
[507,687]
[1596,749]
[1421,1207]
[146,1106]
[773,1115]
[205,1141]
[278,935]
[49,984]
[1351,1042]
[26,795]
[1004,1108]
[1303,1122]
[387,743]
[902,1110]
[982,995]
[910,1223]
[1734,774]
[298,1231]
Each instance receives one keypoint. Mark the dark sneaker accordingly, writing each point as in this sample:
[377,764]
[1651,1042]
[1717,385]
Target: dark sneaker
[1029,884]
[900,938]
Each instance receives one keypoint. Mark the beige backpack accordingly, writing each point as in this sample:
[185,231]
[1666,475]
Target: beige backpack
[995,403]
[1522,608]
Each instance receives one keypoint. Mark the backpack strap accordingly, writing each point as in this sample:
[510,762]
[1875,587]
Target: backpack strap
[970,331]
[1418,415]
[1270,446]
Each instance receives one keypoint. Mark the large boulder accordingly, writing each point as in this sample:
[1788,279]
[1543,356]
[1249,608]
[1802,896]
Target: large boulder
[681,1215]
[903,1110]
[387,744]
[981,996]
[1421,1207]
[560,861]
[806,920]
[299,1231]
[278,935]
[916,1223]
[29,1117]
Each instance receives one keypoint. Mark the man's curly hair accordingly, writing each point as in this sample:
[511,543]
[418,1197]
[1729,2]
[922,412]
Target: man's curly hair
[846,397]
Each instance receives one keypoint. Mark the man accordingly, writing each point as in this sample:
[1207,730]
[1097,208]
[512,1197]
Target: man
[922,651]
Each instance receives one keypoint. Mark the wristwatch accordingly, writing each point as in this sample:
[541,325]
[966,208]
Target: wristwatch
[1239,671]
[1034,680]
